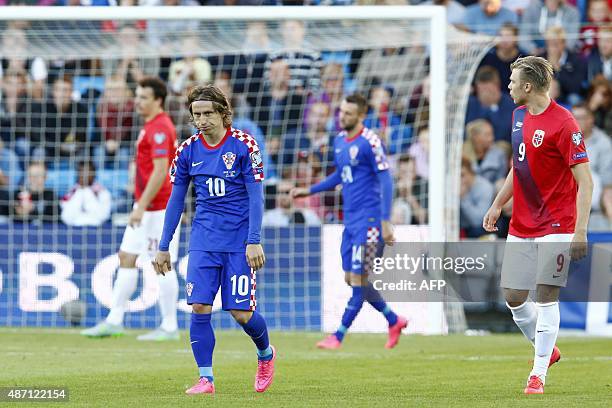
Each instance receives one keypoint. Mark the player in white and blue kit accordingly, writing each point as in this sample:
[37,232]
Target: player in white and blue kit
[226,168]
[367,192]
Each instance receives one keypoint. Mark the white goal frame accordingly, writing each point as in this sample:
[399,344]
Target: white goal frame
[438,43]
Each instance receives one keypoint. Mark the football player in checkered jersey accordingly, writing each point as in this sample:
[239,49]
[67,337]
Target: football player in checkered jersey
[551,186]
[155,149]
[226,168]
[367,192]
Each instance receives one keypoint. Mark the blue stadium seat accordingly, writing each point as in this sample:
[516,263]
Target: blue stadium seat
[61,181]
[114,180]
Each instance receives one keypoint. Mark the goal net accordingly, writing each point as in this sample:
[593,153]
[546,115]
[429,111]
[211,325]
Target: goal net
[67,105]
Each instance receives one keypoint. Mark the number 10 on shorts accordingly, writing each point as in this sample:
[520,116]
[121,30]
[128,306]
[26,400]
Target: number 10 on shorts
[240,285]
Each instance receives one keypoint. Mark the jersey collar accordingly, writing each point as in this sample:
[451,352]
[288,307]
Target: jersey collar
[218,145]
[350,139]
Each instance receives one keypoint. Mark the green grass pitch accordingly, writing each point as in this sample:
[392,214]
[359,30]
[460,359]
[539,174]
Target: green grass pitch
[422,371]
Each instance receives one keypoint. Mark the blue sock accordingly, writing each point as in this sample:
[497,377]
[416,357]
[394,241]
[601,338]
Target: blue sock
[256,328]
[379,304]
[352,310]
[202,343]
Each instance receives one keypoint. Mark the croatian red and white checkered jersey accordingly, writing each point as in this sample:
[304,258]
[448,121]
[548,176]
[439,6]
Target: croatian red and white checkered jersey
[220,174]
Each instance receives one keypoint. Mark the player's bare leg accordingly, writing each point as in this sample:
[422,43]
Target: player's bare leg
[123,289]
[255,326]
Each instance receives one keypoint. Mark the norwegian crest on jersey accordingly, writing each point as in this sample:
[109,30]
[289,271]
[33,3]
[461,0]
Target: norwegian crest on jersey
[538,138]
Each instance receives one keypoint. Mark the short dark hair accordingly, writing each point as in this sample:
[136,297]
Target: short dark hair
[359,100]
[487,73]
[86,163]
[160,91]
[215,95]
[509,26]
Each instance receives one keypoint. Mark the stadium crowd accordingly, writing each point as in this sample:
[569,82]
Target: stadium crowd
[68,126]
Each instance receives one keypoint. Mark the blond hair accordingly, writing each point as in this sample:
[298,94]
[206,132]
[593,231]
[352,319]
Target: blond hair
[535,70]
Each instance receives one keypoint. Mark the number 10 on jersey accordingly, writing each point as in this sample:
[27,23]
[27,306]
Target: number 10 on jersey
[216,187]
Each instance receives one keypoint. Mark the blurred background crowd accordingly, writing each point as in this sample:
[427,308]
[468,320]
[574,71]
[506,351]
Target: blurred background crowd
[68,125]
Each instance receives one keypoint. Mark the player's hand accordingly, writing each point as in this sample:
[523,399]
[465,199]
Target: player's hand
[255,256]
[579,247]
[136,217]
[490,218]
[162,262]
[387,233]
[299,192]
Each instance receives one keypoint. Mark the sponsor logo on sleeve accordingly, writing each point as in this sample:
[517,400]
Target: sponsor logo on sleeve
[580,155]
[577,138]
[159,137]
[256,161]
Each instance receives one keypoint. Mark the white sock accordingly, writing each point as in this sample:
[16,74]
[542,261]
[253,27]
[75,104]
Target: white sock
[125,285]
[547,329]
[525,317]
[168,296]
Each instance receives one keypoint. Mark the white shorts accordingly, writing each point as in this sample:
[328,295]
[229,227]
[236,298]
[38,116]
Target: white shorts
[144,239]
[536,261]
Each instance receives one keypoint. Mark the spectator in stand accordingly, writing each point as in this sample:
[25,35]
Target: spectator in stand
[488,160]
[487,17]
[115,119]
[33,202]
[401,67]
[418,105]
[476,195]
[12,97]
[332,92]
[419,151]
[10,169]
[542,15]
[490,103]
[191,69]
[130,58]
[88,203]
[14,48]
[555,94]
[304,65]
[600,60]
[65,125]
[163,34]
[518,6]
[598,16]
[597,142]
[599,150]
[455,11]
[505,52]
[599,101]
[279,107]
[570,68]
[410,205]
[285,214]
[315,139]
[380,118]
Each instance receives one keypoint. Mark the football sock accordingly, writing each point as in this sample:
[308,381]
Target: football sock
[352,310]
[125,285]
[168,295]
[525,317]
[547,329]
[202,343]
[378,303]
[256,328]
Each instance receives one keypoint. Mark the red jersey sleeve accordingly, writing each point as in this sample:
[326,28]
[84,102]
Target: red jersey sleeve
[571,143]
[161,142]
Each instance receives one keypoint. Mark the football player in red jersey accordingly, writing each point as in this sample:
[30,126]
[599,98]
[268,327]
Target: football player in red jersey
[551,186]
[155,149]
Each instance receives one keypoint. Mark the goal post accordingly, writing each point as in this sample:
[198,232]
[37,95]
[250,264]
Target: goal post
[433,53]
